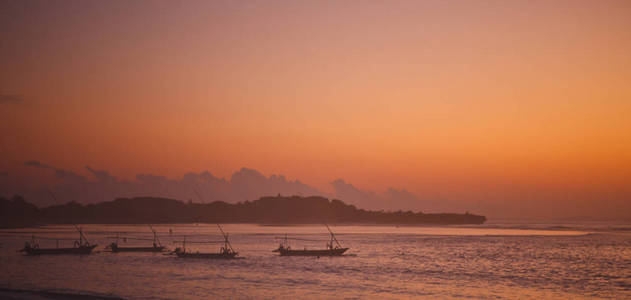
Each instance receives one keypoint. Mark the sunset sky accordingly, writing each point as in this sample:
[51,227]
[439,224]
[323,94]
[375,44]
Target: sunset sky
[507,108]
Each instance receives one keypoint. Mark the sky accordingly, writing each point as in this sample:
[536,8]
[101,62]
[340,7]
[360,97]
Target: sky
[513,109]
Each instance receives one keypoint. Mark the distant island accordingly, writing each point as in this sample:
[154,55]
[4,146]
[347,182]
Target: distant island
[17,212]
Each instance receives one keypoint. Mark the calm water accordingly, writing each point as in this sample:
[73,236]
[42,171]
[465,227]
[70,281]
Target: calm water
[490,261]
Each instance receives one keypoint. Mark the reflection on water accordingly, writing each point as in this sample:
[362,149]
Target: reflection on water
[384,262]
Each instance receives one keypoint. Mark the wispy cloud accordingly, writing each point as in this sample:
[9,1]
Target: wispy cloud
[59,173]
[101,175]
[392,199]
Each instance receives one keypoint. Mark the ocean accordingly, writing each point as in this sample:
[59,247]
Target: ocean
[496,260]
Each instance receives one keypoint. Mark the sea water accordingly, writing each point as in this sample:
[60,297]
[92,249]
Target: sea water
[496,260]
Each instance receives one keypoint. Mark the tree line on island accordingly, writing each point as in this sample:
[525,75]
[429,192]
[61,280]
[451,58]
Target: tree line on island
[17,212]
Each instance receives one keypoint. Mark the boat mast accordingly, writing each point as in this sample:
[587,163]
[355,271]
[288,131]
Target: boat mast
[333,235]
[82,237]
[156,240]
[227,244]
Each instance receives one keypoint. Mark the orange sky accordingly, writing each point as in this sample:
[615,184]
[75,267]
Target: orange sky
[471,101]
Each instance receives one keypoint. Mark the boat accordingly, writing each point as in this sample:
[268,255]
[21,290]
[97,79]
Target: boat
[333,248]
[225,252]
[157,247]
[81,246]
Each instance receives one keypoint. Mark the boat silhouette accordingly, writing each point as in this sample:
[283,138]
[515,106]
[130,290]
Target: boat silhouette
[333,247]
[81,246]
[157,246]
[225,252]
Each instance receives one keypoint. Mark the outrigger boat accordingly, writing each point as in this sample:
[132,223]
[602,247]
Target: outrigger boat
[226,251]
[82,246]
[333,248]
[157,247]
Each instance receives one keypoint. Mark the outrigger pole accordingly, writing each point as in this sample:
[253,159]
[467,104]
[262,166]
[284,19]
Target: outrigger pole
[184,242]
[125,238]
[155,239]
[296,239]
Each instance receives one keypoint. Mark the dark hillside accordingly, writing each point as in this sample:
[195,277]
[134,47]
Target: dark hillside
[269,210]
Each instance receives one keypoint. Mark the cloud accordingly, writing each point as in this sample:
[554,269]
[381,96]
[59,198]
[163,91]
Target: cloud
[392,199]
[344,189]
[4,98]
[243,185]
[101,175]
[351,194]
[248,184]
[59,173]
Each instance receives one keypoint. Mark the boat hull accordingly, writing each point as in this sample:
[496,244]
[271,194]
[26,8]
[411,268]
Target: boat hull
[206,255]
[326,252]
[56,251]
